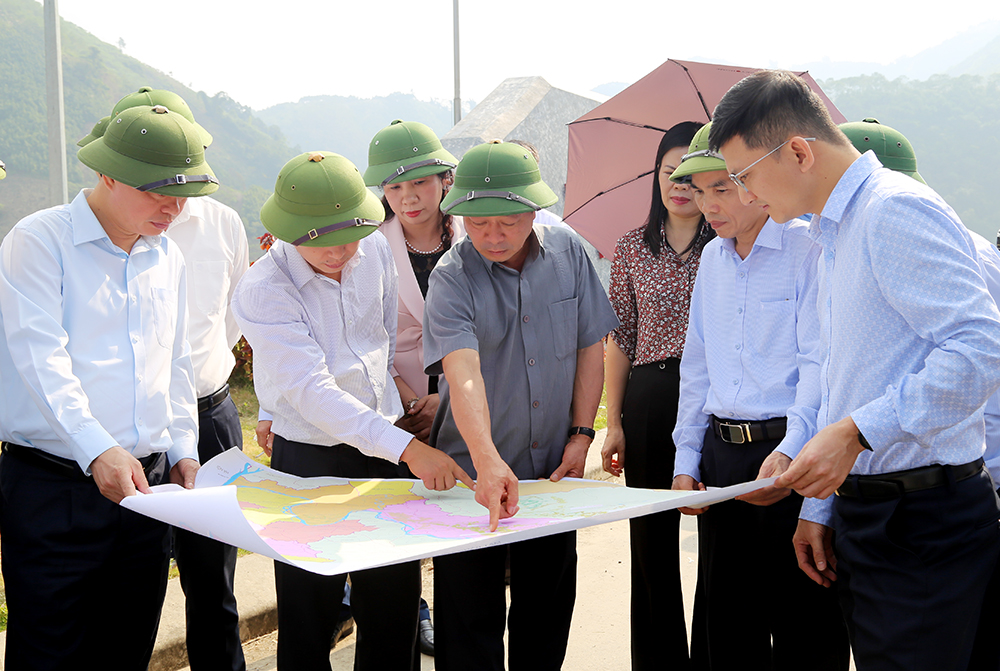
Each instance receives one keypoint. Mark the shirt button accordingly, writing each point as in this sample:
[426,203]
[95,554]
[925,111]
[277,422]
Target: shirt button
[531,362]
[534,445]
[535,404]
[742,274]
[737,347]
[739,311]
[135,338]
[735,382]
[525,319]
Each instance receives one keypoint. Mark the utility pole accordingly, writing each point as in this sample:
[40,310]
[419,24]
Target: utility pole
[458,97]
[58,186]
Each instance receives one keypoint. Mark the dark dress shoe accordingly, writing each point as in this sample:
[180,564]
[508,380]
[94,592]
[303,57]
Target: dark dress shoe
[425,635]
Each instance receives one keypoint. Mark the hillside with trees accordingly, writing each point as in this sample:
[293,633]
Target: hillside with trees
[954,126]
[246,154]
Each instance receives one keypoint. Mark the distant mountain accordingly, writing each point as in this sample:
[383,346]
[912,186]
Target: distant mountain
[345,124]
[985,61]
[953,125]
[611,88]
[967,53]
[246,154]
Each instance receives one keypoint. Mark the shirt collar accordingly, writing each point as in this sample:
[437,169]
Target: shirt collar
[769,236]
[86,227]
[299,269]
[536,249]
[848,185]
[189,212]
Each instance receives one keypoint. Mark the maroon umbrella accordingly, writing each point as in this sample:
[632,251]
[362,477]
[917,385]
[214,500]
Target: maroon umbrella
[612,147]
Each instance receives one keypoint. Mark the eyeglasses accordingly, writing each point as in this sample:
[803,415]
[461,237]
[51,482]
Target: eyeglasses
[739,182]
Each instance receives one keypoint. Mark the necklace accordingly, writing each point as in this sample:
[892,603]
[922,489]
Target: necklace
[419,251]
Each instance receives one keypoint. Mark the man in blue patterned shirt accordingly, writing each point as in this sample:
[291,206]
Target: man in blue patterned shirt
[911,351]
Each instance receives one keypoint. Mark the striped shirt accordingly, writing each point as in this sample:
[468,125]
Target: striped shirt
[323,349]
[752,349]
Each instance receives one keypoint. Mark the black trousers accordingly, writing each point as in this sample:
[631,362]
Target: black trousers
[470,607]
[762,612]
[912,573]
[985,651]
[384,600]
[85,578]
[208,567]
[659,633]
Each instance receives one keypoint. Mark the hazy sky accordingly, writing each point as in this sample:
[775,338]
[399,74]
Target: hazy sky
[264,53]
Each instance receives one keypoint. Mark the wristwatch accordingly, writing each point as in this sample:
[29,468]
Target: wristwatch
[864,443]
[590,433]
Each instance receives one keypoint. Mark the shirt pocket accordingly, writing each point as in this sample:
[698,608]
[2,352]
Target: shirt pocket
[165,316]
[772,333]
[210,281]
[563,316]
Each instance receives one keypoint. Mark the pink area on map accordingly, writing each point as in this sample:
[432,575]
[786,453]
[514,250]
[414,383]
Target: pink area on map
[422,518]
[292,550]
[298,532]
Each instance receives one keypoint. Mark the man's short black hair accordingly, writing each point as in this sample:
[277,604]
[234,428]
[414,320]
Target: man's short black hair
[767,107]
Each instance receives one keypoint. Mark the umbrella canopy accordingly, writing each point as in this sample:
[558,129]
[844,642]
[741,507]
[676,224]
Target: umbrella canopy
[612,148]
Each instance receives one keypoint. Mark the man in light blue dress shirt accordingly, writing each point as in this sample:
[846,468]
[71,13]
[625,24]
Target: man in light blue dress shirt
[911,353]
[748,401]
[98,398]
[895,152]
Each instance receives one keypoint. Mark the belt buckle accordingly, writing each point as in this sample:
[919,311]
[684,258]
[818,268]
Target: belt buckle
[726,430]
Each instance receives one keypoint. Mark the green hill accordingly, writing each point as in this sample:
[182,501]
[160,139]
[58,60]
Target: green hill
[246,154]
[954,126]
[345,124]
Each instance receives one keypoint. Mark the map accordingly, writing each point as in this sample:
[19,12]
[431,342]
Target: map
[336,525]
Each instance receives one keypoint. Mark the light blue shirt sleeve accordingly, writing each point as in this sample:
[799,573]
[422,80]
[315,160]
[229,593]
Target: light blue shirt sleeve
[692,420]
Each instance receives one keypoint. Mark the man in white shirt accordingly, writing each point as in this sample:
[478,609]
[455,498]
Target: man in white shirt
[319,310]
[98,398]
[748,400]
[214,243]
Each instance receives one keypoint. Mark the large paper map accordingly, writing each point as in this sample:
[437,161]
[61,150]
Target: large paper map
[335,525]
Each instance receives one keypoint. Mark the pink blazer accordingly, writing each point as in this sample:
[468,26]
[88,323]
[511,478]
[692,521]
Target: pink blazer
[409,361]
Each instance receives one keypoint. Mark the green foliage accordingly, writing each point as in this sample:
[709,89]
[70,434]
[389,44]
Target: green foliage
[953,124]
[246,154]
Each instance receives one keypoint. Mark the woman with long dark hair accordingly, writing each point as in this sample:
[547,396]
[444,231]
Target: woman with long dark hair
[652,277]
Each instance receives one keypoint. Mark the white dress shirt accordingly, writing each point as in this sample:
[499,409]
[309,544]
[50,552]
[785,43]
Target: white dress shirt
[752,345]
[323,349]
[96,351]
[214,243]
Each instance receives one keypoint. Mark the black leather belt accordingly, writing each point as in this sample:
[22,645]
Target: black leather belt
[891,485]
[66,467]
[746,431]
[206,403]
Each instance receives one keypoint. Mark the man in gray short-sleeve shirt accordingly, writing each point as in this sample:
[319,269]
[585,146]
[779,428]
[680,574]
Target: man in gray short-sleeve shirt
[514,318]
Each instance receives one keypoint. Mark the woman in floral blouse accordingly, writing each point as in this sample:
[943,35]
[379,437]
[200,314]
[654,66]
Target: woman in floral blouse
[651,282]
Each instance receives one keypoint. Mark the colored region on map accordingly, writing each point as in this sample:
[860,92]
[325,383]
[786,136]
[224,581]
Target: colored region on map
[335,525]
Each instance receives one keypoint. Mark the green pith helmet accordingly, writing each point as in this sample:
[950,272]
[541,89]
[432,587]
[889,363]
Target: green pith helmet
[891,147]
[96,132]
[497,179]
[320,200]
[152,149]
[148,97]
[405,150]
[699,158]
